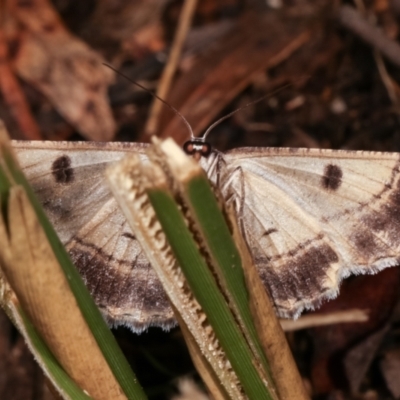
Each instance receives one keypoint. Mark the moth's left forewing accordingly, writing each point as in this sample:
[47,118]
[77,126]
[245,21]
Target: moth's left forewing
[69,180]
[313,216]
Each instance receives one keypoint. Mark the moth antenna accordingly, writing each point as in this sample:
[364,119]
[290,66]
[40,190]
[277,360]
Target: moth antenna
[157,97]
[213,125]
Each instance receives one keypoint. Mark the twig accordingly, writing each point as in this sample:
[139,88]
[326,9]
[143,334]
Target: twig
[386,78]
[351,19]
[14,96]
[315,320]
[169,70]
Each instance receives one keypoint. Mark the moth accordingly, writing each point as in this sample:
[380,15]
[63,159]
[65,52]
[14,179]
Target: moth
[311,217]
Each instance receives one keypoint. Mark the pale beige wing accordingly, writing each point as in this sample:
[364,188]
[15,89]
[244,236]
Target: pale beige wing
[312,217]
[68,178]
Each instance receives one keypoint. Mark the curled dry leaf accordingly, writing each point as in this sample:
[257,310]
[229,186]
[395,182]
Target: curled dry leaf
[63,68]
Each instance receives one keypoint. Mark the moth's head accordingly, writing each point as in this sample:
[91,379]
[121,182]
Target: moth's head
[197,147]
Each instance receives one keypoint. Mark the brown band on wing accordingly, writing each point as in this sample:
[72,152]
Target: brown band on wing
[384,222]
[367,244]
[295,251]
[299,278]
[126,292]
[390,192]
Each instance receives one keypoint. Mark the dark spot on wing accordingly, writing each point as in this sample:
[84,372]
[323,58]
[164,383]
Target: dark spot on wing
[129,235]
[269,231]
[62,170]
[332,177]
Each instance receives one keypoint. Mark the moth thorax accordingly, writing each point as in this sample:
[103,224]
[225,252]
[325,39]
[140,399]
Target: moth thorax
[197,148]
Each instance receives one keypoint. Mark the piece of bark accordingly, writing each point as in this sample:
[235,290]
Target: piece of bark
[352,20]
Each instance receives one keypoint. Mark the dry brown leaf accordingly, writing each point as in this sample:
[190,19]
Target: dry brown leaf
[35,276]
[63,68]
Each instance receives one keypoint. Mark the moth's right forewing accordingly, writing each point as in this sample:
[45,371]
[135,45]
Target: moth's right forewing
[312,217]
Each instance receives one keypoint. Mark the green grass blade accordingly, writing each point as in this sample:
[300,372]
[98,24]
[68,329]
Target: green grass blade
[207,294]
[223,252]
[129,180]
